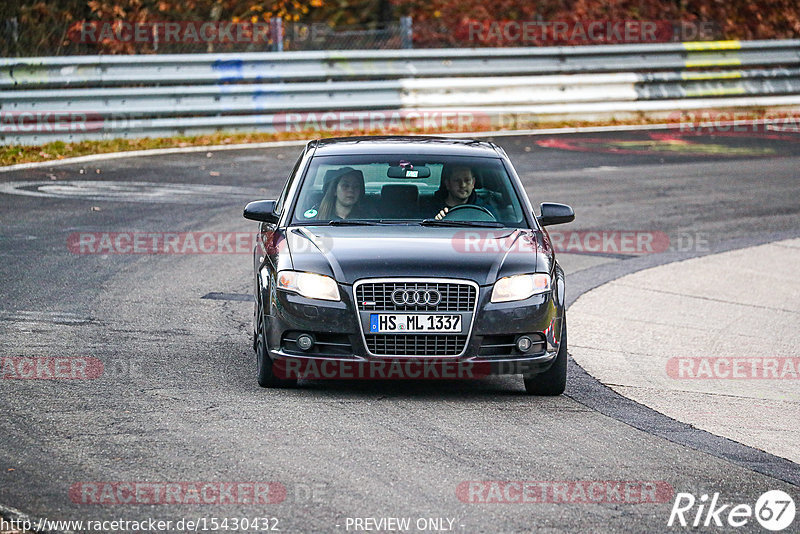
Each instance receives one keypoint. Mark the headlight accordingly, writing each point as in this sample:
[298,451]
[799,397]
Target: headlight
[309,285]
[520,287]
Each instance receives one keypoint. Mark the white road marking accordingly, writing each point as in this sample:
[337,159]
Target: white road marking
[128,191]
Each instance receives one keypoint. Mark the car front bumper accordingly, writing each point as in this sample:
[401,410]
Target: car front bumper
[340,350]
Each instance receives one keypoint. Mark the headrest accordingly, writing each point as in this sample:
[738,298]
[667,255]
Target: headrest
[400,192]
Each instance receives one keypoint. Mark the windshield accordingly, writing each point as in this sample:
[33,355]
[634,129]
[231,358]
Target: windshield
[385,189]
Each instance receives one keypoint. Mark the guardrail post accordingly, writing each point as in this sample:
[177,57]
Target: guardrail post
[11,33]
[407,31]
[276,32]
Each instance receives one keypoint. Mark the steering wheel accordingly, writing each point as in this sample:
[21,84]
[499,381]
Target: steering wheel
[468,212]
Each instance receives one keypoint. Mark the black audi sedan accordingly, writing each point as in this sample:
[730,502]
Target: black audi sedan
[407,257]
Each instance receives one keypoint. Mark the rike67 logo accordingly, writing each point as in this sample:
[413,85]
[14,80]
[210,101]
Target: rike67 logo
[774,510]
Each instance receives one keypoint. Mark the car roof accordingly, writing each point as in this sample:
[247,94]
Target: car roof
[397,144]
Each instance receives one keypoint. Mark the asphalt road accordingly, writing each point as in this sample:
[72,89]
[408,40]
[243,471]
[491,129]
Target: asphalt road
[178,401]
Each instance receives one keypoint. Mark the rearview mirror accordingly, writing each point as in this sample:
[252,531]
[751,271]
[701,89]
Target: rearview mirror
[554,213]
[261,210]
[397,171]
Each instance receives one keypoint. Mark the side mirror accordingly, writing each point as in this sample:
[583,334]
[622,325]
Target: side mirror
[261,210]
[553,213]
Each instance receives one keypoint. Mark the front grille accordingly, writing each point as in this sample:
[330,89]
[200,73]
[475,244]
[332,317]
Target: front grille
[377,296]
[497,346]
[415,344]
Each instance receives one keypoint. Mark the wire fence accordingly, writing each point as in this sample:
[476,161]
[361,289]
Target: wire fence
[21,37]
[196,37]
[319,36]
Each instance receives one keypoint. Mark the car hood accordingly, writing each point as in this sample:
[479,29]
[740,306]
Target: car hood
[352,253]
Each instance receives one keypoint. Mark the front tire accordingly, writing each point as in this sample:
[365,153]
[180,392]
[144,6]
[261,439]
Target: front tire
[266,377]
[552,382]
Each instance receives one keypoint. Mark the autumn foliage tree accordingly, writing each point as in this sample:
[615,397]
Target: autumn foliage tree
[49,27]
[447,22]
[42,27]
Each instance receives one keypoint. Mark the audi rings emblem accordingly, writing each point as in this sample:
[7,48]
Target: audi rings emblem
[416,297]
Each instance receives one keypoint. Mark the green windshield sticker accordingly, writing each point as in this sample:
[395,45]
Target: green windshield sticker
[310,213]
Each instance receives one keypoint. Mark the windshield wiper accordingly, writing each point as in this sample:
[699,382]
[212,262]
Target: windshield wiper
[352,222]
[478,224]
[364,222]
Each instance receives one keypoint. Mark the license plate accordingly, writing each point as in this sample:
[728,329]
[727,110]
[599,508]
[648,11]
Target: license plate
[413,323]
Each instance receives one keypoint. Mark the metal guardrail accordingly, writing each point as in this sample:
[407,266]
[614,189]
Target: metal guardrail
[389,64]
[138,96]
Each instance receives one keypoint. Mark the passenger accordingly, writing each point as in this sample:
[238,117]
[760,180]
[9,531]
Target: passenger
[343,198]
[457,188]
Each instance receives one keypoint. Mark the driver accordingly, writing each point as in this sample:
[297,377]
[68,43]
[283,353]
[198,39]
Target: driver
[457,188]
